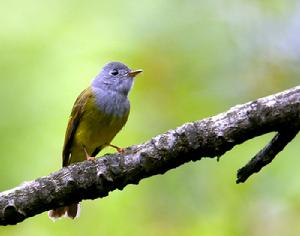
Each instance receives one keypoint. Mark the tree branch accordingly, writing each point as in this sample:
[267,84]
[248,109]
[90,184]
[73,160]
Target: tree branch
[210,137]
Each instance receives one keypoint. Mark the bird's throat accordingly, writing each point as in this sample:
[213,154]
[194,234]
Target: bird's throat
[111,102]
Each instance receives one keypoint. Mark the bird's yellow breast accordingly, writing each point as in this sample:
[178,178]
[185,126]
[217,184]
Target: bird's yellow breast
[95,130]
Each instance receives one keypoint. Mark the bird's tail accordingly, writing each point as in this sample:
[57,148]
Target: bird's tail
[71,211]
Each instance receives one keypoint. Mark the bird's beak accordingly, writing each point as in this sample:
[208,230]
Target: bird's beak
[134,73]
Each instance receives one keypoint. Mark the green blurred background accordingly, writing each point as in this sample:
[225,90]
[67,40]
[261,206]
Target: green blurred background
[199,59]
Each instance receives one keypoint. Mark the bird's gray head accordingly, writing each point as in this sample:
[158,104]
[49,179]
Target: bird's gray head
[115,76]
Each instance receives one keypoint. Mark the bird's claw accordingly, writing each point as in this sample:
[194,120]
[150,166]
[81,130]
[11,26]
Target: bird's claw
[91,158]
[120,150]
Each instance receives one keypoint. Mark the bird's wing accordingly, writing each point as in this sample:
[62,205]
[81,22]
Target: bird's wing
[76,114]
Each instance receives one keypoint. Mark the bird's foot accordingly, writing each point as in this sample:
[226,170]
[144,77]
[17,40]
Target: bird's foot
[91,158]
[88,157]
[119,149]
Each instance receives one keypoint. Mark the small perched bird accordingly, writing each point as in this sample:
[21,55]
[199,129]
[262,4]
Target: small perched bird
[98,114]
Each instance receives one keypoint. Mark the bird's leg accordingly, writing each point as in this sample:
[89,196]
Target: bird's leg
[88,157]
[119,150]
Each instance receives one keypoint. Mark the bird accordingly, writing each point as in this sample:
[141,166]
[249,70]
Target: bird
[98,114]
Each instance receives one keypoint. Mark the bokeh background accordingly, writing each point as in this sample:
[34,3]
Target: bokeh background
[199,59]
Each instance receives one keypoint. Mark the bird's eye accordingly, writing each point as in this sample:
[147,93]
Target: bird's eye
[114,72]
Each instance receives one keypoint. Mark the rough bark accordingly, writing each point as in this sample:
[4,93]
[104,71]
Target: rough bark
[210,137]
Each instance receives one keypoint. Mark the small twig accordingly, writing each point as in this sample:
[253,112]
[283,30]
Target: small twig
[267,154]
